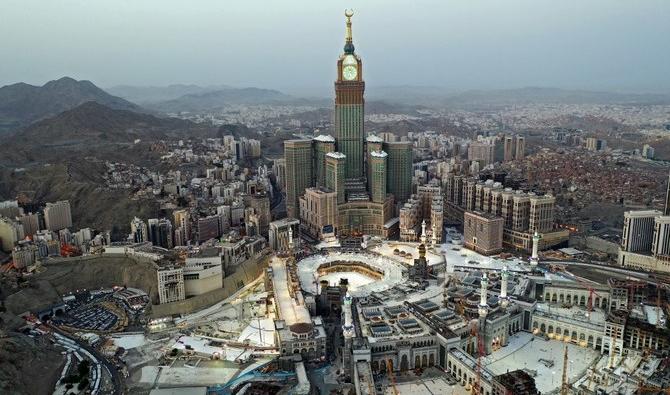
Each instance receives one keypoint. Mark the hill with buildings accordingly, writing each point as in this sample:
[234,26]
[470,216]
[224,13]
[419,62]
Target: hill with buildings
[22,104]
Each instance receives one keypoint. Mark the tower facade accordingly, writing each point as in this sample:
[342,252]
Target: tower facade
[349,106]
[399,181]
[298,155]
[335,173]
[377,166]
[323,144]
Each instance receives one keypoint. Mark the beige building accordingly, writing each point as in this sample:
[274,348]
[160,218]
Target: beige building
[410,220]
[318,212]
[481,152]
[170,284]
[10,233]
[278,236]
[541,213]
[202,275]
[483,232]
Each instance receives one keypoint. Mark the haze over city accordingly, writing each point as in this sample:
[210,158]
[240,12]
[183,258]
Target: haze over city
[393,198]
[460,45]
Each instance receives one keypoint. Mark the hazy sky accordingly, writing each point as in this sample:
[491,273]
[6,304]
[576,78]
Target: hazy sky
[293,45]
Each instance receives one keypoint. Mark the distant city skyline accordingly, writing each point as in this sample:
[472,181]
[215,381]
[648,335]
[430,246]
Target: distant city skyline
[595,45]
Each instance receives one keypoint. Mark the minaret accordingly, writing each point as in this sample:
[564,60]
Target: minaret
[483,305]
[423,232]
[504,300]
[534,260]
[434,236]
[348,332]
[290,238]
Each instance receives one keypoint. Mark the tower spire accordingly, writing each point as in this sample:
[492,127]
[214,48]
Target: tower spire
[349,42]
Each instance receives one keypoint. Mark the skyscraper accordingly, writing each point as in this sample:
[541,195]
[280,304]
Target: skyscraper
[335,173]
[520,147]
[508,152]
[57,215]
[298,155]
[323,144]
[638,230]
[378,174]
[349,106]
[360,208]
[399,173]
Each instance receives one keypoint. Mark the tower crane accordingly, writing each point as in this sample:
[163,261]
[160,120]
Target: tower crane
[565,384]
[389,367]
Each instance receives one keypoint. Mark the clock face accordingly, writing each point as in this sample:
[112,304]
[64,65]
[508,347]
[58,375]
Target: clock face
[349,72]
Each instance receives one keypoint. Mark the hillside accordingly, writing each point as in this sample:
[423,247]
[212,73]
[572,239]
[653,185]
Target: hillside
[22,104]
[153,94]
[218,99]
[92,129]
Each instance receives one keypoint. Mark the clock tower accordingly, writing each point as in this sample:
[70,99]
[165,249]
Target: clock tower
[349,107]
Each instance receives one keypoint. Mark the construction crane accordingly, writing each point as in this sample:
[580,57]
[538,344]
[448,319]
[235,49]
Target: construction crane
[565,384]
[589,303]
[389,367]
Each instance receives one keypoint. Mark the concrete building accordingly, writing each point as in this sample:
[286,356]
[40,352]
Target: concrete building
[399,170]
[202,274]
[541,213]
[209,228]
[638,230]
[139,232]
[520,147]
[482,152]
[298,156]
[170,284]
[10,233]
[160,232]
[483,232]
[508,149]
[318,213]
[410,220]
[323,144]
[57,215]
[30,222]
[335,169]
[378,176]
[278,238]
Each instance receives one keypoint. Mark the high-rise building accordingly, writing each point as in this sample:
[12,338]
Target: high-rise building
[57,215]
[399,170]
[10,233]
[209,228]
[483,232]
[372,144]
[660,245]
[160,232]
[318,212]
[279,235]
[520,147]
[260,203]
[541,217]
[298,156]
[139,232]
[335,173]
[378,176]
[349,107]
[30,222]
[323,144]
[638,230]
[481,152]
[508,151]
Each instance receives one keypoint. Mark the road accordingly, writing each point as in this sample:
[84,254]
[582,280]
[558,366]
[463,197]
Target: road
[117,380]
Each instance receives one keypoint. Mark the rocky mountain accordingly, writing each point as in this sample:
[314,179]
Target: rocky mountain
[22,104]
[93,129]
[153,94]
[218,99]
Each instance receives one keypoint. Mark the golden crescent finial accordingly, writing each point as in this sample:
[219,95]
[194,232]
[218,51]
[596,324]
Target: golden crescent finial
[349,13]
